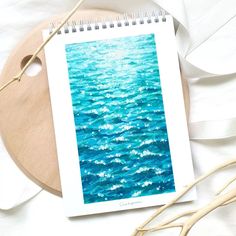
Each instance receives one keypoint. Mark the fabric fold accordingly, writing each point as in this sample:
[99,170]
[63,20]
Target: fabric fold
[197,41]
[15,187]
[212,129]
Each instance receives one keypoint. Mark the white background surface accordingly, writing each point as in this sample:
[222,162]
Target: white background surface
[211,47]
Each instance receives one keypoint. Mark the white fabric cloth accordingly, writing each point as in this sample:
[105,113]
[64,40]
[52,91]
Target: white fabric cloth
[206,42]
[15,188]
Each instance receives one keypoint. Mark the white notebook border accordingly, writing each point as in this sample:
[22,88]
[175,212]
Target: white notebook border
[63,114]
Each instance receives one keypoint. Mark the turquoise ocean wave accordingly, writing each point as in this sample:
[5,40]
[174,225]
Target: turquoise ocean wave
[119,118]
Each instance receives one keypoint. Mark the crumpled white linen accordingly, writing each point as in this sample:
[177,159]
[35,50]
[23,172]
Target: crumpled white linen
[206,43]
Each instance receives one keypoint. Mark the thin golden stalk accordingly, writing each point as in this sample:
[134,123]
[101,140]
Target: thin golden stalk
[18,77]
[226,186]
[219,201]
[181,194]
[172,225]
[230,201]
[169,223]
[7,84]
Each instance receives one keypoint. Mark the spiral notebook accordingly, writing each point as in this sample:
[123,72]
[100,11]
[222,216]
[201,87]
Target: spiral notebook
[119,116]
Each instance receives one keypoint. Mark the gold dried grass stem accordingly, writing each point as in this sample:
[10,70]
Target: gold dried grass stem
[233,200]
[196,216]
[171,220]
[41,47]
[168,223]
[219,201]
[226,186]
[173,225]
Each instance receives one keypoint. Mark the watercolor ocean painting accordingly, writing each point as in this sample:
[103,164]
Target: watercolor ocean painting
[119,118]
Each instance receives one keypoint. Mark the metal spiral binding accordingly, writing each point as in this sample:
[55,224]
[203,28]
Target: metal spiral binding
[123,21]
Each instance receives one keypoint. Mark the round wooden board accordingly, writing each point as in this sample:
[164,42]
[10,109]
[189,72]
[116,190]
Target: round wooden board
[26,123]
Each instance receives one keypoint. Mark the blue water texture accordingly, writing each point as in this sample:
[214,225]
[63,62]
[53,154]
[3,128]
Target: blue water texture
[119,118]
